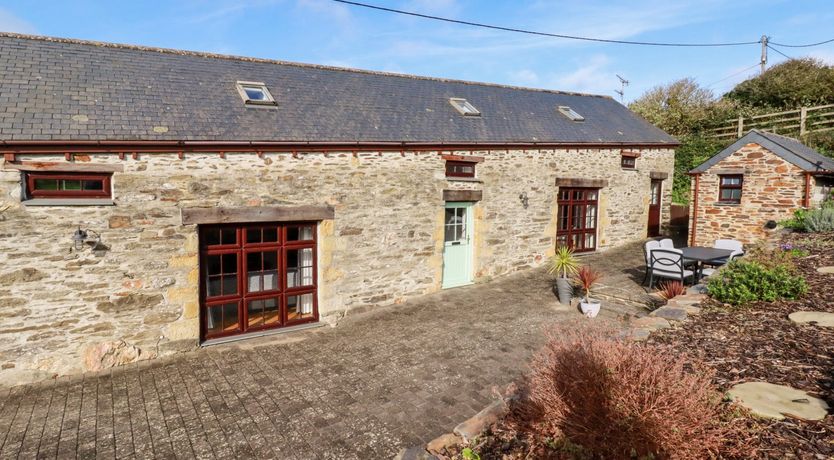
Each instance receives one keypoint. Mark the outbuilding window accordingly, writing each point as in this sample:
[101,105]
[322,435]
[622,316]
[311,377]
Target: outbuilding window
[67,185]
[460,169]
[628,162]
[729,190]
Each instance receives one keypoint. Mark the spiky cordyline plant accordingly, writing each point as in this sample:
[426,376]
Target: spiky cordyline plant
[563,263]
[586,277]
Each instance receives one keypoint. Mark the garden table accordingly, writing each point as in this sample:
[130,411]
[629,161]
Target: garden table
[700,255]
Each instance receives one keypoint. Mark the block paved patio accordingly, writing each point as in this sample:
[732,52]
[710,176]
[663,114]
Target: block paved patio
[380,381]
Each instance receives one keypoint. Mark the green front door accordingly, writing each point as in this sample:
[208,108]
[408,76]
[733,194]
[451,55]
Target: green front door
[457,244]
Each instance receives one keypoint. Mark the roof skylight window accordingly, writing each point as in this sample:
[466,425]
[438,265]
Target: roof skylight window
[570,113]
[464,107]
[255,93]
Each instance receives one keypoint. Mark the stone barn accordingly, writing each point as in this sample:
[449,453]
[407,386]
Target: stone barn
[757,181]
[157,200]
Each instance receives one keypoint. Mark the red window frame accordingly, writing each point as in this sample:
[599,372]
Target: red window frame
[628,162]
[722,187]
[235,242]
[454,168]
[33,192]
[573,216]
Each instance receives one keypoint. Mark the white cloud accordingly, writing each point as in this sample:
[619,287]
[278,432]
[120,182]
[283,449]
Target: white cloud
[11,23]
[823,55]
[524,77]
[592,76]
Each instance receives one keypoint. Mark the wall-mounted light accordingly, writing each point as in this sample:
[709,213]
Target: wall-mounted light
[81,238]
[524,200]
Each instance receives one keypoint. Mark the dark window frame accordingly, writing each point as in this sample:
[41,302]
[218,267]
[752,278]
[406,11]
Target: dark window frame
[722,187]
[451,164]
[568,199]
[33,192]
[628,162]
[243,296]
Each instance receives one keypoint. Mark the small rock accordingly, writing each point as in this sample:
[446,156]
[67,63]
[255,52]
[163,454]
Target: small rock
[826,270]
[670,313]
[776,401]
[651,323]
[473,427]
[817,318]
[697,289]
[639,334]
[414,453]
[443,442]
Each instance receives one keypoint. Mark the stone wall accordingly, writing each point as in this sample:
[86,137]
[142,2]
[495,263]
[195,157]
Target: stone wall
[773,188]
[63,311]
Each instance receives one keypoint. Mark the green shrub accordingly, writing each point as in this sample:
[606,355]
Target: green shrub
[741,282]
[797,222]
[819,220]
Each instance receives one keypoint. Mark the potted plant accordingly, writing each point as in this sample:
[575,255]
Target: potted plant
[586,277]
[563,264]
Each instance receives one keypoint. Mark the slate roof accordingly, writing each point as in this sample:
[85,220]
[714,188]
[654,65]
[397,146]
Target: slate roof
[60,89]
[788,148]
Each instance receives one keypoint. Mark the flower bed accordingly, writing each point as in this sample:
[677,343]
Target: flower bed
[754,343]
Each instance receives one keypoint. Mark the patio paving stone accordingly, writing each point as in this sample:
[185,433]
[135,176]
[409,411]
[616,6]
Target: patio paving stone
[381,381]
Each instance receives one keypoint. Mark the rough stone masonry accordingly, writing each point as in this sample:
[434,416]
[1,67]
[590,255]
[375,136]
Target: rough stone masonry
[64,311]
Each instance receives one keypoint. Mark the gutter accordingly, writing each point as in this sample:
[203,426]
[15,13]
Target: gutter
[145,146]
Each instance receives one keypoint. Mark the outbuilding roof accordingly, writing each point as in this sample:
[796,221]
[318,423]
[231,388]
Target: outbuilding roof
[788,148]
[62,90]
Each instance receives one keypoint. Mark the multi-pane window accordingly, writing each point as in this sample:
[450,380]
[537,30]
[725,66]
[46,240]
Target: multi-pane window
[628,162]
[460,168]
[67,185]
[455,225]
[256,277]
[729,190]
[577,218]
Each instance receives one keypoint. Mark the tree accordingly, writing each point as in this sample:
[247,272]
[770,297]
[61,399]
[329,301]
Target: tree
[789,85]
[679,108]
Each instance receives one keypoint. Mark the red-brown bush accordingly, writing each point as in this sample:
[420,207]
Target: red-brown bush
[620,399]
[671,289]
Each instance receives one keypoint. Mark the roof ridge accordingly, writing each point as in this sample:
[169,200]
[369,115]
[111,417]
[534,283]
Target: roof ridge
[206,54]
[814,161]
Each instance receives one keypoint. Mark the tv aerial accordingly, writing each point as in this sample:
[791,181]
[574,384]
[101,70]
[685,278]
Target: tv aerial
[621,91]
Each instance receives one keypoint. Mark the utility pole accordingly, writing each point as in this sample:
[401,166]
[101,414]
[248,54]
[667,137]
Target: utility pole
[764,53]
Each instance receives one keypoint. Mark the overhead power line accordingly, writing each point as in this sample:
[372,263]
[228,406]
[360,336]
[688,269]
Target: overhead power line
[783,54]
[543,34]
[802,46]
[732,75]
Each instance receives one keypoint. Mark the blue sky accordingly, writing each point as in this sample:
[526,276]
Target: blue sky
[324,32]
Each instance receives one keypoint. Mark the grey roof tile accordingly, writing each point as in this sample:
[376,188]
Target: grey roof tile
[125,91]
[788,148]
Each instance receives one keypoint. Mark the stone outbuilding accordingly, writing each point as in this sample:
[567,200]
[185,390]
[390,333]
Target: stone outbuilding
[153,200]
[746,189]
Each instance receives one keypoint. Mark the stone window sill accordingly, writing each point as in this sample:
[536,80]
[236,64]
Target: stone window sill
[464,179]
[69,202]
[630,169]
[724,203]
